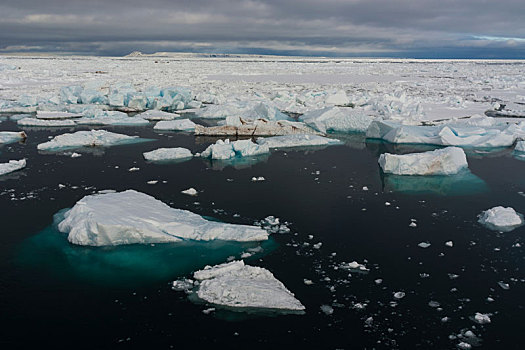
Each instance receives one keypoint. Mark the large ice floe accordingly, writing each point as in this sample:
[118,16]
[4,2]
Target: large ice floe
[51,115]
[224,150]
[446,161]
[46,122]
[175,125]
[86,139]
[237,285]
[111,118]
[248,110]
[297,140]
[157,115]
[237,126]
[168,154]
[450,134]
[337,119]
[12,165]
[132,217]
[11,136]
[501,219]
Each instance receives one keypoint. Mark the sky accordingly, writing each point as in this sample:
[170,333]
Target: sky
[341,28]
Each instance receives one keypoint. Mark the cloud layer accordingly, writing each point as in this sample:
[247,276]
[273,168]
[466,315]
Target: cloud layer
[395,28]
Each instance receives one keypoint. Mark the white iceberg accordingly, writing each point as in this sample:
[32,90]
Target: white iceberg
[224,150]
[175,125]
[446,161]
[11,136]
[56,115]
[154,114]
[46,122]
[237,285]
[168,154]
[12,165]
[132,217]
[86,139]
[298,140]
[501,219]
[237,126]
[336,119]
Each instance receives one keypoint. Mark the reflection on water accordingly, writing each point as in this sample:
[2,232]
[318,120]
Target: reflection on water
[462,184]
[133,265]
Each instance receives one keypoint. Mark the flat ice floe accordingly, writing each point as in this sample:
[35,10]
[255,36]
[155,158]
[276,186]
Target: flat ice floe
[56,115]
[337,119]
[446,161]
[298,140]
[11,136]
[236,126]
[12,165]
[86,139]
[175,125]
[248,110]
[111,118]
[168,154]
[224,150]
[498,135]
[154,114]
[132,217]
[501,219]
[46,122]
[237,285]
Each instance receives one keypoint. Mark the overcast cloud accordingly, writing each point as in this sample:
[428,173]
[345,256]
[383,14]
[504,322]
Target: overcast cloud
[395,28]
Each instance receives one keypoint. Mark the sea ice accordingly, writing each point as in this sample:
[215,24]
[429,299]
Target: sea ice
[520,146]
[248,110]
[132,217]
[111,118]
[56,115]
[336,119]
[223,150]
[190,191]
[501,219]
[46,122]
[168,154]
[11,136]
[175,125]
[157,115]
[446,161]
[12,165]
[236,126]
[298,140]
[86,139]
[237,285]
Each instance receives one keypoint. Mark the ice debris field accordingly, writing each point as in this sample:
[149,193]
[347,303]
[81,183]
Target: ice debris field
[333,198]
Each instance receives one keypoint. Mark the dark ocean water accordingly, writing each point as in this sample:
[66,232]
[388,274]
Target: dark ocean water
[56,295]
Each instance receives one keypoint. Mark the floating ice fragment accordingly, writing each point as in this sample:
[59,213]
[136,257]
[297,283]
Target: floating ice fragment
[152,182]
[45,122]
[297,140]
[399,295]
[56,115]
[308,282]
[175,125]
[168,154]
[354,266]
[327,309]
[336,119]
[449,244]
[224,150]
[424,244]
[182,285]
[75,155]
[433,304]
[365,188]
[11,166]
[238,285]
[133,169]
[464,346]
[157,115]
[132,217]
[412,224]
[501,219]
[11,136]
[481,318]
[190,191]
[520,146]
[86,139]
[504,285]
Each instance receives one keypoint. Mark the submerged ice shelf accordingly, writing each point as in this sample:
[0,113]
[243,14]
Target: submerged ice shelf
[131,217]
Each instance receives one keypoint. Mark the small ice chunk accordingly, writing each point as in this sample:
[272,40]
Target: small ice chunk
[327,309]
[155,114]
[449,244]
[182,285]
[399,295]
[412,224]
[190,191]
[464,346]
[75,155]
[56,115]
[132,169]
[481,318]
[168,154]
[11,136]
[504,285]
[424,244]
[175,125]
[11,166]
[152,182]
[501,219]
[354,266]
[235,284]
[308,282]
[260,178]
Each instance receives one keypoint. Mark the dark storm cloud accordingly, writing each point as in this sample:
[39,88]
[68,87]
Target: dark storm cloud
[328,27]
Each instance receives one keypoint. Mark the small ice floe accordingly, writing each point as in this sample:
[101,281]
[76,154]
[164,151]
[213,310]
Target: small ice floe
[501,219]
[335,119]
[46,122]
[75,155]
[11,136]
[257,179]
[434,304]
[152,182]
[446,161]
[132,217]
[132,169]
[387,204]
[155,114]
[317,245]
[168,154]
[424,244]
[354,266]
[365,188]
[237,285]
[175,125]
[208,310]
[273,225]
[504,285]
[224,150]
[308,282]
[11,166]
[480,318]
[399,295]
[378,281]
[190,191]
[183,285]
[297,140]
[412,224]
[464,346]
[91,138]
[449,244]
[327,309]
[111,118]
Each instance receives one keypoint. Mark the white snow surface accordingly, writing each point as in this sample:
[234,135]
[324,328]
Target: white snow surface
[11,136]
[175,125]
[445,161]
[338,119]
[12,165]
[237,285]
[167,154]
[296,140]
[86,139]
[132,217]
[501,219]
